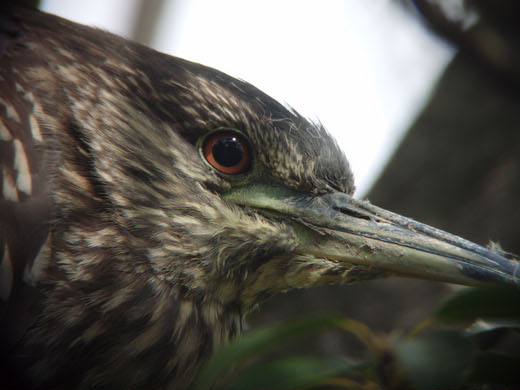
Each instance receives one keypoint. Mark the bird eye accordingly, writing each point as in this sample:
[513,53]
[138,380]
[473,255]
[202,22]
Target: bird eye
[227,152]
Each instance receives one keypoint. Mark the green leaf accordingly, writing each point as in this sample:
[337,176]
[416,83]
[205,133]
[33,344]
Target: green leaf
[471,304]
[27,3]
[291,373]
[496,369]
[483,326]
[254,343]
[439,360]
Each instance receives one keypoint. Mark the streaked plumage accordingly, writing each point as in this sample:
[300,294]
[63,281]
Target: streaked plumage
[144,258]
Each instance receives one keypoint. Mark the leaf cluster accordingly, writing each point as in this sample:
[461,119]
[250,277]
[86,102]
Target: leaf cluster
[472,341]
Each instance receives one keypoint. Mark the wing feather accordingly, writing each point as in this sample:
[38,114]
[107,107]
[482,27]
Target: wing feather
[24,191]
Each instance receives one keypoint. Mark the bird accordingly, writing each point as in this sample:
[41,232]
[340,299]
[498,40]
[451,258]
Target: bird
[149,203]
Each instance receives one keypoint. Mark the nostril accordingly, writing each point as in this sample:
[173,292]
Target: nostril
[352,213]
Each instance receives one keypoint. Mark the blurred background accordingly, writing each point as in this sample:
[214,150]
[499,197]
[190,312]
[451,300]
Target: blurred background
[422,97]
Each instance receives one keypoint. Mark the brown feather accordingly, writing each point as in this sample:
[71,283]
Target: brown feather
[139,266]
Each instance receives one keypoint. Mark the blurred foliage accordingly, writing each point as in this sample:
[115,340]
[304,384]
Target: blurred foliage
[487,31]
[470,341]
[27,3]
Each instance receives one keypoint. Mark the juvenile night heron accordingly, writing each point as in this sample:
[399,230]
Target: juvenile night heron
[149,203]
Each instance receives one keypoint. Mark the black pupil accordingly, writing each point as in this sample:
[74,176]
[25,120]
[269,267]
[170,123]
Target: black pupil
[228,151]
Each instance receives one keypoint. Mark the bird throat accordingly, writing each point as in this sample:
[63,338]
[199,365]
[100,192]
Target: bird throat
[127,343]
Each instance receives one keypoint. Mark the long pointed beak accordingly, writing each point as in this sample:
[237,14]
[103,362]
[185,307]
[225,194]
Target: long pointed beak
[339,227]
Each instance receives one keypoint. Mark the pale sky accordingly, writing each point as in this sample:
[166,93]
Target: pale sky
[363,68]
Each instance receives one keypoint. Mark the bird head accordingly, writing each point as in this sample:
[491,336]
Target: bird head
[236,197]
[169,170]
[232,197]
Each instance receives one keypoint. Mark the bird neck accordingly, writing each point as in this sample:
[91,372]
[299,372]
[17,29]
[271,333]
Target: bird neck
[122,331]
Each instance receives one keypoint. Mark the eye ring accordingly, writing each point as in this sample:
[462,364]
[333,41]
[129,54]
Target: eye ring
[228,152]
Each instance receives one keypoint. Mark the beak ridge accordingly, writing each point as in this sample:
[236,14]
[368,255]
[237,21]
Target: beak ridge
[397,243]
